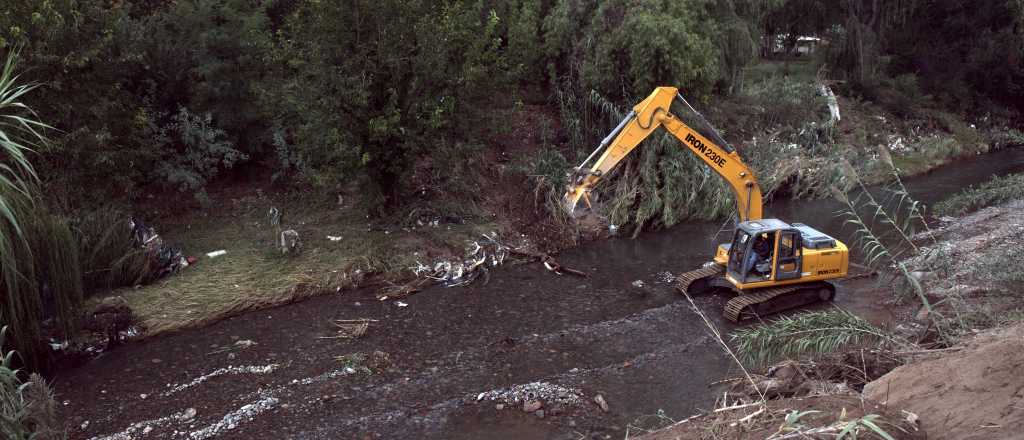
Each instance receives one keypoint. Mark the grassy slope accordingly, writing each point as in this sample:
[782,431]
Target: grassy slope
[253,273]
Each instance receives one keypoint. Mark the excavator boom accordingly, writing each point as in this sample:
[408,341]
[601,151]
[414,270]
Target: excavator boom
[646,117]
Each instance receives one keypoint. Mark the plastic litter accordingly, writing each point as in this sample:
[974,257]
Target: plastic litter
[216,254]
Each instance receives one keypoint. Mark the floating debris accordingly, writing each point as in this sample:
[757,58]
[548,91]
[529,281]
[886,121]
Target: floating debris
[144,427]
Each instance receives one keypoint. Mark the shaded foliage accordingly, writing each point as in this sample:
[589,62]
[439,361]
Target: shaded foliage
[368,86]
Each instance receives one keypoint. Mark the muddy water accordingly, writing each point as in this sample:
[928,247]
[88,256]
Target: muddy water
[642,348]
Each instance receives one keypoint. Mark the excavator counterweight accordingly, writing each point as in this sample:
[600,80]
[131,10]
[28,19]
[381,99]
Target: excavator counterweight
[770,265]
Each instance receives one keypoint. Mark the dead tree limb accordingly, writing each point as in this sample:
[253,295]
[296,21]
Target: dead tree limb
[550,263]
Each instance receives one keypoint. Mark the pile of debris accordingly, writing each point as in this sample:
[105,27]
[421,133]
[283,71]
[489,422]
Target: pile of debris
[163,259]
[539,398]
[480,256]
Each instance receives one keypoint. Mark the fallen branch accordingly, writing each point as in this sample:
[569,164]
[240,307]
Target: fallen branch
[730,408]
[350,328]
[550,263]
[401,291]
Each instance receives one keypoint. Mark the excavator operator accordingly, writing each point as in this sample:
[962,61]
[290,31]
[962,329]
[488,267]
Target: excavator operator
[759,258]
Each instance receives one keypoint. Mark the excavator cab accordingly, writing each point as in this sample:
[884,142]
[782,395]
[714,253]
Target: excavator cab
[764,250]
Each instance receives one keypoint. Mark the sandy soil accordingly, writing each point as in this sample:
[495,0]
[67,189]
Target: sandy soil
[974,392]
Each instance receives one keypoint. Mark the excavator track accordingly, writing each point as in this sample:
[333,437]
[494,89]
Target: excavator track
[696,281]
[775,299]
[754,303]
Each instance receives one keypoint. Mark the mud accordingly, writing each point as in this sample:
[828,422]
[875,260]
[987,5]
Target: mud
[455,354]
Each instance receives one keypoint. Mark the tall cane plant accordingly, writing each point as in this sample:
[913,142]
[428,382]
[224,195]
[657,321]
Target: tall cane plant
[21,133]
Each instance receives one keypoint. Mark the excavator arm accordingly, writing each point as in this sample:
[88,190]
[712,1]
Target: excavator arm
[645,118]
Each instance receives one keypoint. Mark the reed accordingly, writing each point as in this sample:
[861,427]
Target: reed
[808,334]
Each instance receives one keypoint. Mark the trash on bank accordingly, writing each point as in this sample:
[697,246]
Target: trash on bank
[164,258]
[479,257]
[216,254]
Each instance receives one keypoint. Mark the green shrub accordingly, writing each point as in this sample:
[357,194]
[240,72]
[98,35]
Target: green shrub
[193,151]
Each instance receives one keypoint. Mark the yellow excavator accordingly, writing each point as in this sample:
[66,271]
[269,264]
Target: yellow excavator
[770,265]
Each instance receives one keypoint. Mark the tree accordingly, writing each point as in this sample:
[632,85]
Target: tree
[366,87]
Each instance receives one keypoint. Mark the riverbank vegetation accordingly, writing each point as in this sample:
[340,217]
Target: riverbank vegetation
[459,115]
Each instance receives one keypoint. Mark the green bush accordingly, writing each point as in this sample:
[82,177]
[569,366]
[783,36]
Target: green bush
[193,151]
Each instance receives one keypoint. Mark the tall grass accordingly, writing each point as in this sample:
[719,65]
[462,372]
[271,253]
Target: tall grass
[808,334]
[108,254]
[39,273]
[884,230]
[28,410]
[48,283]
[995,191]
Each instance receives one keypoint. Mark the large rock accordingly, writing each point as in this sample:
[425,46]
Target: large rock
[972,394]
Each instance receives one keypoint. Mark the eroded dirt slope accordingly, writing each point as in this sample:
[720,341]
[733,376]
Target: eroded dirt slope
[975,392]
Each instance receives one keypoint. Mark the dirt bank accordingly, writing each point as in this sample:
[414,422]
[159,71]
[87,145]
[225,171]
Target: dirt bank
[972,392]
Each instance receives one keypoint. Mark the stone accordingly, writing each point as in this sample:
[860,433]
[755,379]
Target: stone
[922,275]
[599,400]
[532,405]
[499,406]
[189,414]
